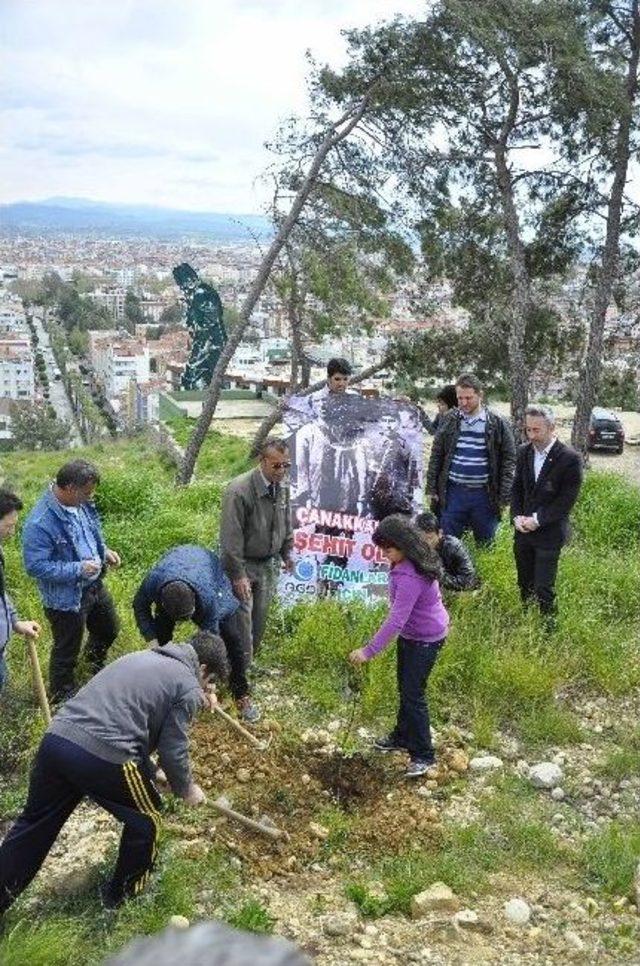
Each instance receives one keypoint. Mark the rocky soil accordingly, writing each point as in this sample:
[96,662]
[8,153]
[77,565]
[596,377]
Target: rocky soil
[300,785]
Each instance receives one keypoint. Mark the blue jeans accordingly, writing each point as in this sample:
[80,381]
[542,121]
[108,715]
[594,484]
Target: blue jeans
[469,509]
[4,673]
[414,665]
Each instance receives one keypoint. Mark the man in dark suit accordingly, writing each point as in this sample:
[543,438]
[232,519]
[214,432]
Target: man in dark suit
[546,485]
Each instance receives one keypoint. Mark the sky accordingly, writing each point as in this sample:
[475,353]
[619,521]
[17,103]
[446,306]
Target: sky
[164,102]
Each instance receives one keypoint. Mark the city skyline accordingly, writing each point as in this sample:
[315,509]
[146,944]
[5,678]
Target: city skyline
[151,103]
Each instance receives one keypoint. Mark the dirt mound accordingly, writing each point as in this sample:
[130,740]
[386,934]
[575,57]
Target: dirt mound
[319,797]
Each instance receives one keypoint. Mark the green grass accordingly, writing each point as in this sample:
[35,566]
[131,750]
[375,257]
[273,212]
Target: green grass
[251,915]
[611,856]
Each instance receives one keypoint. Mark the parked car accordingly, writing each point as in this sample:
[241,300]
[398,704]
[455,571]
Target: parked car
[605,430]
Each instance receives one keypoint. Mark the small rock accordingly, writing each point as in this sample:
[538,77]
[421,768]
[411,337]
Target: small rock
[620,904]
[243,775]
[470,921]
[557,793]
[573,939]
[305,779]
[459,761]
[225,758]
[517,911]
[319,831]
[485,763]
[546,774]
[334,726]
[179,922]
[340,924]
[437,898]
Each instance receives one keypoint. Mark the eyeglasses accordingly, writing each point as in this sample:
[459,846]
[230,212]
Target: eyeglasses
[281,466]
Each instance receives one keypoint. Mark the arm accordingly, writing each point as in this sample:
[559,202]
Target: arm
[435,463]
[287,544]
[142,612]
[232,523]
[517,490]
[173,743]
[409,589]
[38,554]
[561,506]
[459,573]
[507,464]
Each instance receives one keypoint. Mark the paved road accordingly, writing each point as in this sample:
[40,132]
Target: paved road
[57,393]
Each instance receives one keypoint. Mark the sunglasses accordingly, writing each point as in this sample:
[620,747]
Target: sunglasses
[281,466]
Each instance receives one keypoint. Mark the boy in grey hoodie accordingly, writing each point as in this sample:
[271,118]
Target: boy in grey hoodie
[99,745]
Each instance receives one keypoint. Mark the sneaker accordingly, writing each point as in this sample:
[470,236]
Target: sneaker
[418,767]
[248,711]
[388,743]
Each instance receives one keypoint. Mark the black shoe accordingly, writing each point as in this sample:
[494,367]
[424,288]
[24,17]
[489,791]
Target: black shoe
[108,899]
[388,743]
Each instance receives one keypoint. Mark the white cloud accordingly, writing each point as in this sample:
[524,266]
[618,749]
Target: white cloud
[159,102]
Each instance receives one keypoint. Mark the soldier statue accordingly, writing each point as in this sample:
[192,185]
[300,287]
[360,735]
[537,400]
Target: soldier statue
[205,325]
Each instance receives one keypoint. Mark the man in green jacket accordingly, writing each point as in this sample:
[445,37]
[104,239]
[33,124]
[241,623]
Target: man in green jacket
[256,534]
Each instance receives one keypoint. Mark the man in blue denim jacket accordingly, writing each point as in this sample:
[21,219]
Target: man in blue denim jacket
[65,551]
[10,623]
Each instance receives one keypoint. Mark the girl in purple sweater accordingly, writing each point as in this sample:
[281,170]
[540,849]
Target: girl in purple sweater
[417,617]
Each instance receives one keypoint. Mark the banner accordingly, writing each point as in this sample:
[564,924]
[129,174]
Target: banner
[353,462]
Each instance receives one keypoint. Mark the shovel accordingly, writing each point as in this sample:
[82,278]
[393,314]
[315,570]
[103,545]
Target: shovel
[221,805]
[260,745]
[38,683]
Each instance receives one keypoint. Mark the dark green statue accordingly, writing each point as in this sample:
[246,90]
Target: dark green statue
[205,325]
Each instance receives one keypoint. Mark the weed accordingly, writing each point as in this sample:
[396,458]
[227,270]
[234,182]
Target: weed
[610,857]
[251,915]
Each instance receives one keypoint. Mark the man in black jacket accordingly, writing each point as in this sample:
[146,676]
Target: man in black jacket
[471,465]
[546,486]
[458,572]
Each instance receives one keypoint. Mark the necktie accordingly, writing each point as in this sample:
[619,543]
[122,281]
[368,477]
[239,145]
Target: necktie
[272,491]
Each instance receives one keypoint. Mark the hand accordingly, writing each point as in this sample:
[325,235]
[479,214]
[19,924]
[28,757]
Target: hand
[161,779]
[210,698]
[194,795]
[27,629]
[517,522]
[242,588]
[112,558]
[357,657]
[288,565]
[153,643]
[529,524]
[91,567]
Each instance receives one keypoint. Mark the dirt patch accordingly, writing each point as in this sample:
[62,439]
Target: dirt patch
[322,800]
[350,779]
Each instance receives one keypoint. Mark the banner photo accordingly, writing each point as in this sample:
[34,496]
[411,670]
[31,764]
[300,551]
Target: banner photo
[353,462]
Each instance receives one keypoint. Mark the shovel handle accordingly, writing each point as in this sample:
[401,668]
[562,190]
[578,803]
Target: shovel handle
[238,727]
[38,683]
[272,833]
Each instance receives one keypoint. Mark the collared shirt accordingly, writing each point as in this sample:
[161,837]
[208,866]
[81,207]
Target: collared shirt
[539,456]
[85,539]
[470,463]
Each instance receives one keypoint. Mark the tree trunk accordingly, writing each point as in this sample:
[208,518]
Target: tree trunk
[274,418]
[521,305]
[336,133]
[592,366]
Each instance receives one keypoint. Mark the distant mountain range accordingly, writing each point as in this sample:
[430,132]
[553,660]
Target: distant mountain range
[83,217]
